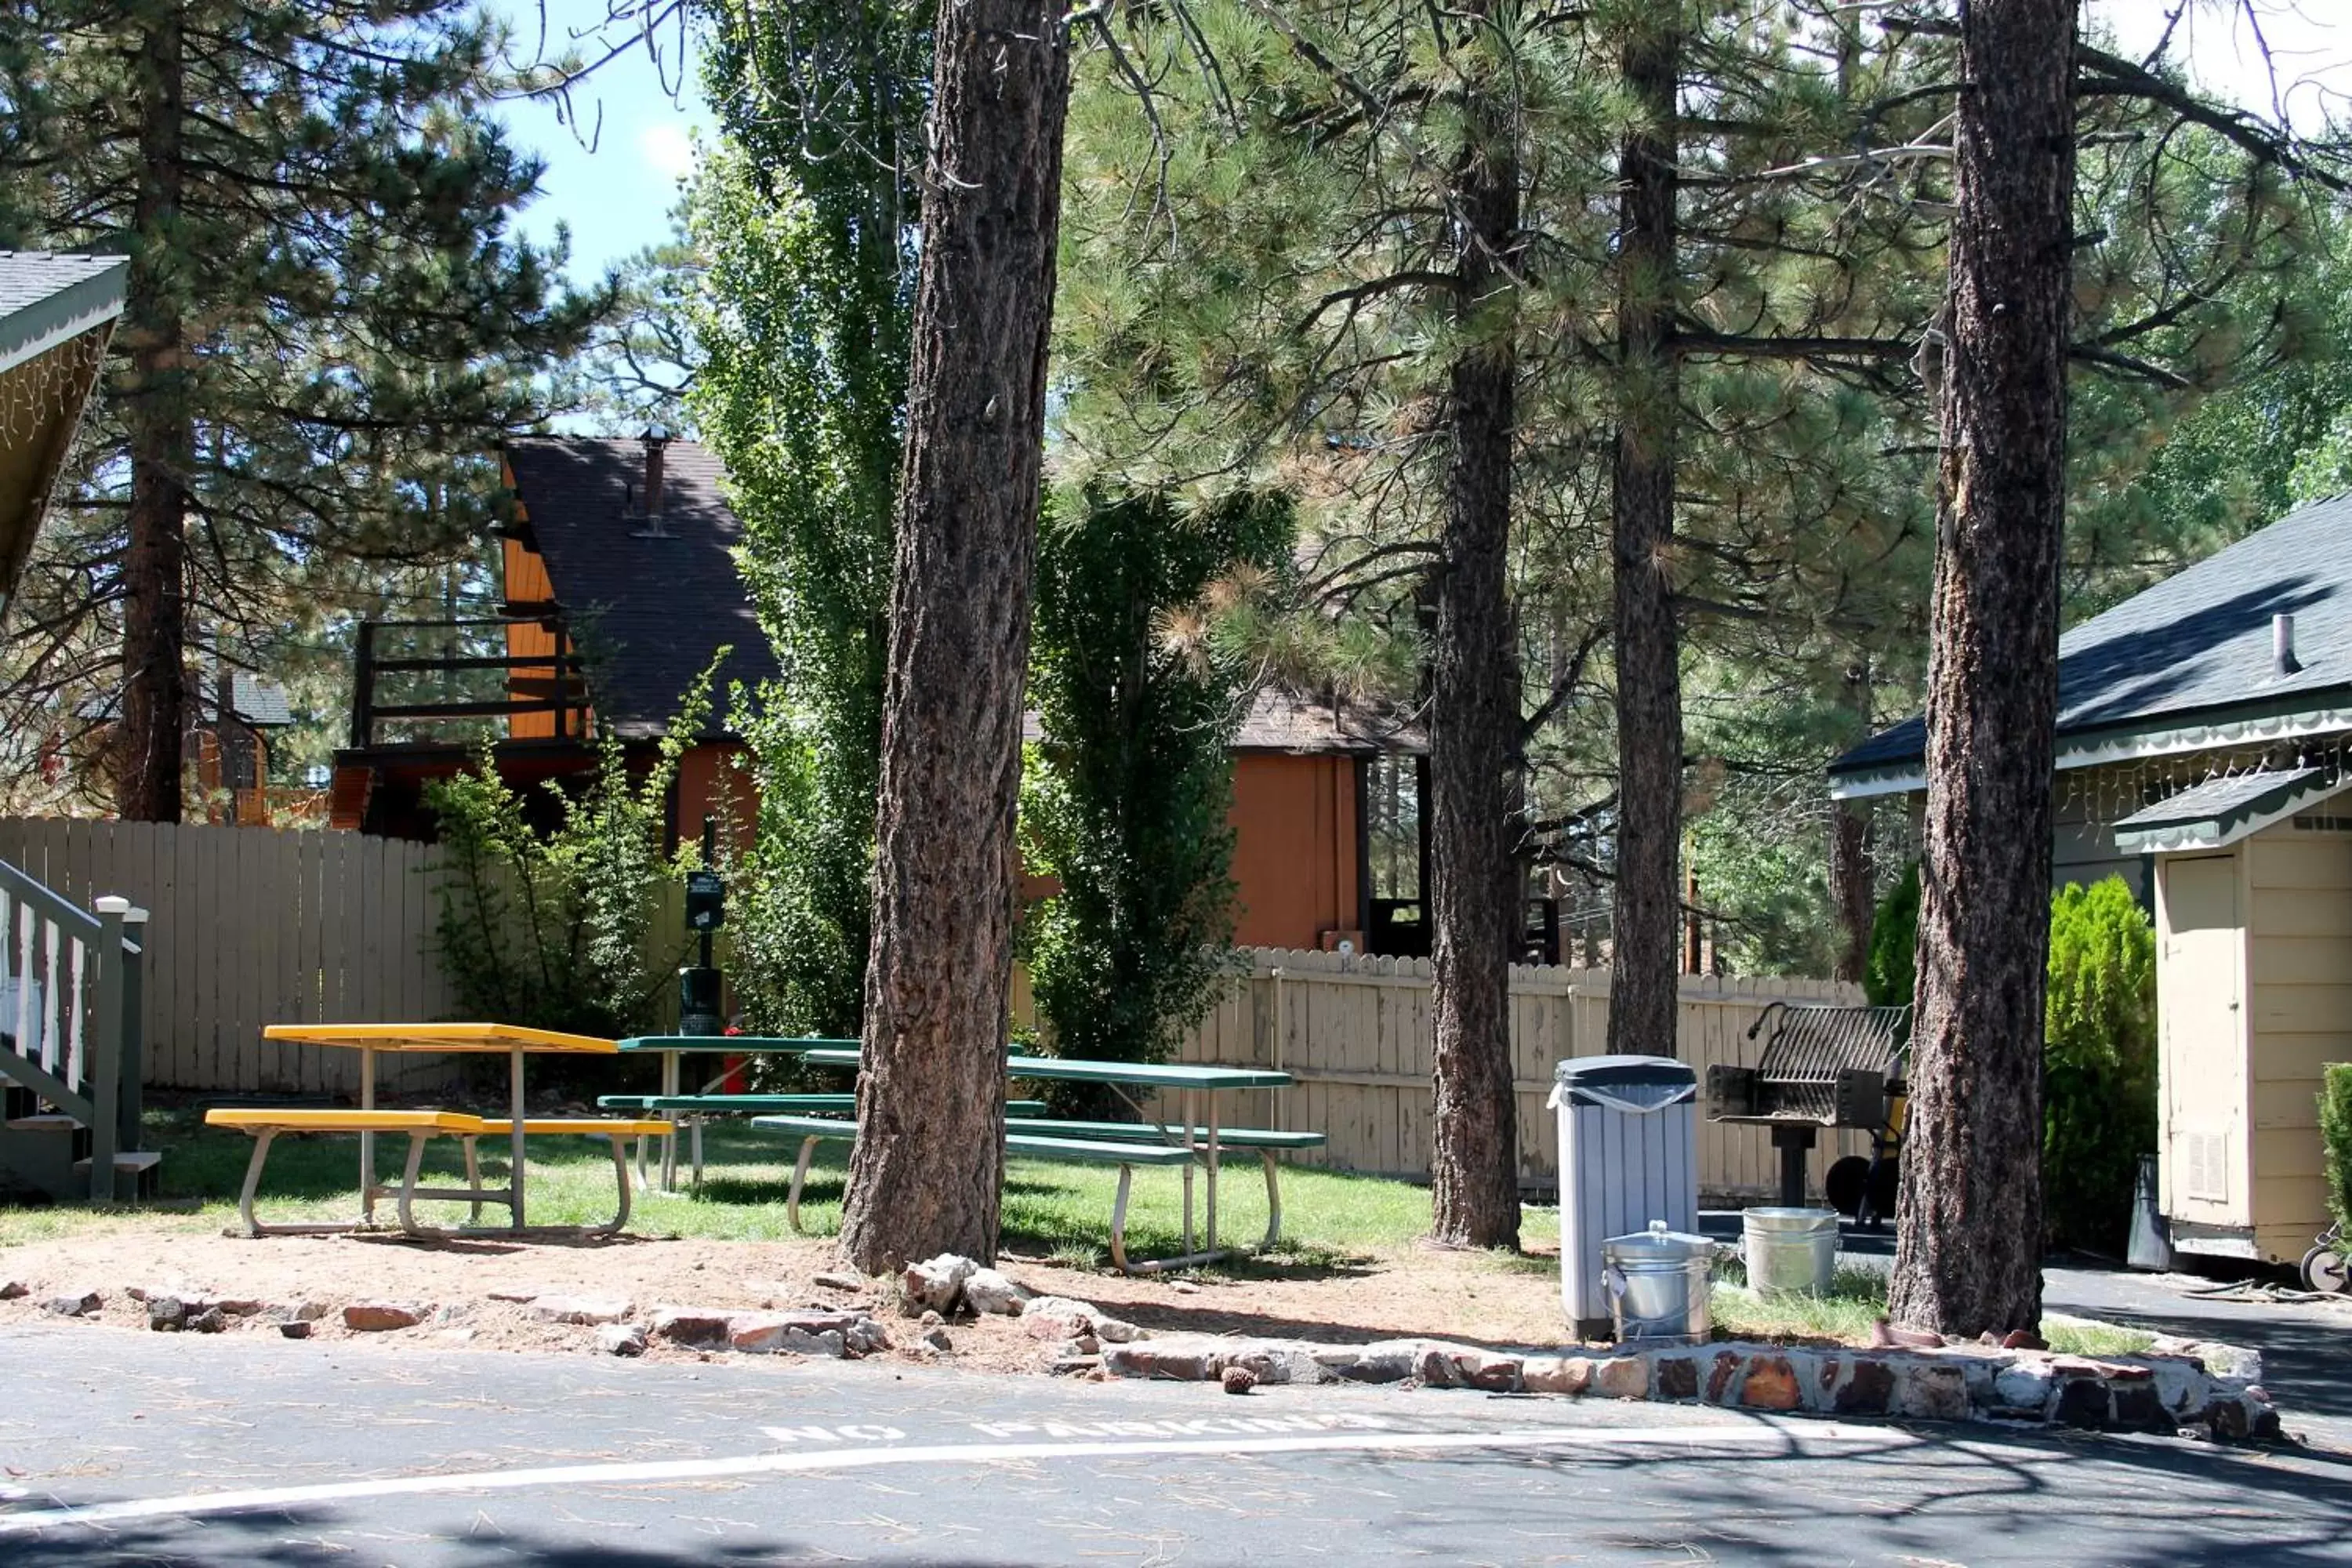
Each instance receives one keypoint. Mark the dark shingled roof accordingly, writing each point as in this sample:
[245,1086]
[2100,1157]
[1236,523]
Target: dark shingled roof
[648,612]
[2198,640]
[1280,721]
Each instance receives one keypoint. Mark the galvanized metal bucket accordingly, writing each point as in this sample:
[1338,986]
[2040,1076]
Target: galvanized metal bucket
[1790,1252]
[1658,1285]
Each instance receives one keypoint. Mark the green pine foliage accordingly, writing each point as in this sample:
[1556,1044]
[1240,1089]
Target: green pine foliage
[1125,800]
[546,905]
[2336,1139]
[357,320]
[1887,979]
[2099,1063]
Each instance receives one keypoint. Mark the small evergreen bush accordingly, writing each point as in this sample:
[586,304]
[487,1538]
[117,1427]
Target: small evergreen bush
[1887,980]
[2336,1137]
[2098,1063]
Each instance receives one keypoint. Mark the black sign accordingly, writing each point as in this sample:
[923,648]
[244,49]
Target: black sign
[705,900]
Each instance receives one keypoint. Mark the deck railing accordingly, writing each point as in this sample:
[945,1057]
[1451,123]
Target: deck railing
[400,694]
[71,1001]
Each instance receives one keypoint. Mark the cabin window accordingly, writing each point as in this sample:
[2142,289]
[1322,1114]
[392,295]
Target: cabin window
[1396,848]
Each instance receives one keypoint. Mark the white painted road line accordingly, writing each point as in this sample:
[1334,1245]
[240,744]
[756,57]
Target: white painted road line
[654,1472]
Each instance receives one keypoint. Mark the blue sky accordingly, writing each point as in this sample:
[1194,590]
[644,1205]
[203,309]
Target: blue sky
[613,170]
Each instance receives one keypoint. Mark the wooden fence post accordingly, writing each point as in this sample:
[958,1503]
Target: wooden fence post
[106,1047]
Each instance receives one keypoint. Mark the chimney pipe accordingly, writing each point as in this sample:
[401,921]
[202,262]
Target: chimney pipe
[2283,657]
[656,438]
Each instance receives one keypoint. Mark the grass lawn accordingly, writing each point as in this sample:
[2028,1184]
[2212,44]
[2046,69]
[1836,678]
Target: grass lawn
[1050,1209]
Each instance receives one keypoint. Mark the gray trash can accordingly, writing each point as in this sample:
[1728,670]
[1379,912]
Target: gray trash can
[1627,1156]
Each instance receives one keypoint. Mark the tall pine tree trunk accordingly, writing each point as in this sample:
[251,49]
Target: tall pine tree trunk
[148,738]
[1642,967]
[928,1162]
[1474,722]
[1853,878]
[1969,1258]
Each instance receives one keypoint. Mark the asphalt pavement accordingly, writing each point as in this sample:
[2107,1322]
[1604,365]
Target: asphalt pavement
[122,1448]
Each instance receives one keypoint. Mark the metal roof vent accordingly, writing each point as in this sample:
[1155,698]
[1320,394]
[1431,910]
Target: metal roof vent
[2283,659]
[656,438]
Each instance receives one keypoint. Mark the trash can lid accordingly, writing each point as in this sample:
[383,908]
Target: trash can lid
[1624,1083]
[1658,1242]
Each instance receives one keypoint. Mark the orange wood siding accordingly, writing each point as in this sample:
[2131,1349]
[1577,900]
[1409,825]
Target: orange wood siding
[1295,869]
[708,783]
[526,581]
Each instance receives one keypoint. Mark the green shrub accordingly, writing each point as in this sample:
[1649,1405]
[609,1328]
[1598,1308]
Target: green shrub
[2098,1063]
[1894,940]
[548,925]
[2336,1137]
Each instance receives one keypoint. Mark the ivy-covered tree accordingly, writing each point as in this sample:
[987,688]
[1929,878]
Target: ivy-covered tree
[1125,801]
[329,325]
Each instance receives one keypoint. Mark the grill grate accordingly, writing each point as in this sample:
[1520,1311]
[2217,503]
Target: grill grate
[1810,1046]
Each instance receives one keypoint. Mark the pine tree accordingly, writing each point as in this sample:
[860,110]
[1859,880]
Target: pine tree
[328,323]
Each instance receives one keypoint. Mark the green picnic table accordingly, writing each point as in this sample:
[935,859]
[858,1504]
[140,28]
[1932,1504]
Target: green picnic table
[1195,1086]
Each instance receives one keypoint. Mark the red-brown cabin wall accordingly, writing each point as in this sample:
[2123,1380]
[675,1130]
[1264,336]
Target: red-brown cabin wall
[1294,849]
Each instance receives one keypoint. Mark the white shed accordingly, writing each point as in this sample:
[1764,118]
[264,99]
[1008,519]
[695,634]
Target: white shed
[2253,924]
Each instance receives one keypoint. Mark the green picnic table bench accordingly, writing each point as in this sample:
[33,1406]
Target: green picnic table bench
[690,1110]
[813,1130]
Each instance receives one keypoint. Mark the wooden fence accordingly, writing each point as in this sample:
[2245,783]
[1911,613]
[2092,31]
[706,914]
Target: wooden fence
[1355,1032]
[247,927]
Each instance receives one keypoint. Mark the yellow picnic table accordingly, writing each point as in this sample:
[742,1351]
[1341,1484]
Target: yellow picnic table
[511,1040]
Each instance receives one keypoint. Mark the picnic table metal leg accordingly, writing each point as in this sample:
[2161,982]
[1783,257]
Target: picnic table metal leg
[1209,1102]
[1184,1101]
[261,1142]
[367,1139]
[800,1175]
[1118,1218]
[514,1142]
[408,1182]
[670,1065]
[473,1176]
[620,1180]
[1273,1199]
[694,1133]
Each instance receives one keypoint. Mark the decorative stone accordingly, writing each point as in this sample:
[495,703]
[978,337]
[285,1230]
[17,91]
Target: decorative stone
[1870,1391]
[988,1291]
[2226,1419]
[1057,1317]
[1771,1384]
[230,1306]
[1238,1380]
[519,1298]
[166,1314]
[935,1284]
[379,1317]
[1677,1377]
[621,1338]
[296,1327]
[585,1309]
[691,1325]
[1555,1375]
[865,1336]
[308,1310]
[1435,1367]
[1722,1378]
[2137,1407]
[1621,1377]
[2023,1389]
[936,1336]
[833,1281]
[74,1303]
[211,1320]
[1935,1391]
[1116,1331]
[1075,1366]
[1384,1361]
[14,1290]
[2083,1402]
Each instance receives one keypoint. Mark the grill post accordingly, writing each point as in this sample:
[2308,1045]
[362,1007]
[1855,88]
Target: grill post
[1795,1140]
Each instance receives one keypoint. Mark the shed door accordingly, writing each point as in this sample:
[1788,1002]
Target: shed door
[2201,1012]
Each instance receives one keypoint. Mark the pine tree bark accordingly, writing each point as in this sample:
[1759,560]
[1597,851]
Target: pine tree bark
[1473,723]
[1969,1257]
[925,1174]
[1853,878]
[154,719]
[1646,923]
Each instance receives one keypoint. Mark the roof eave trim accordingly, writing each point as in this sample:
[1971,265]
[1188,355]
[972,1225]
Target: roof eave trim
[91,301]
[2224,828]
[2138,746]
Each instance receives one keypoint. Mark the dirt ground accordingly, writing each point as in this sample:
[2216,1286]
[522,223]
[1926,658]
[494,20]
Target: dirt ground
[1409,1291]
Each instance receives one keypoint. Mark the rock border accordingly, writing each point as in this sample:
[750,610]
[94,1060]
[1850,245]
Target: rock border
[2165,1393]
